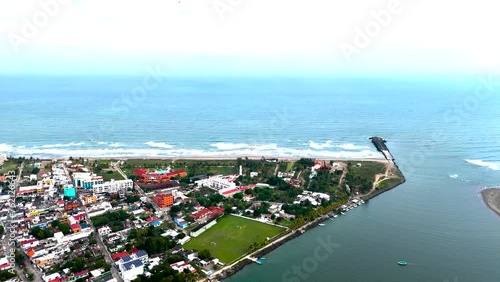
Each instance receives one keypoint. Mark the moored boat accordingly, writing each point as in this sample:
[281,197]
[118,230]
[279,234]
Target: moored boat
[403,262]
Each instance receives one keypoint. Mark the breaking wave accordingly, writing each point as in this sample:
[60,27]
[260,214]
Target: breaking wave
[159,145]
[490,165]
[158,149]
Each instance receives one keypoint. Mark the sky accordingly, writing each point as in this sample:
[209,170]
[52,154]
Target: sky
[248,37]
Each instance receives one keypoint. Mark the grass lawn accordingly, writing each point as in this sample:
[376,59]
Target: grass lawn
[389,182]
[368,169]
[232,242]
[8,165]
[108,176]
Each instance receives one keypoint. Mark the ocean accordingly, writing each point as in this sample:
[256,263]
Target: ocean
[443,132]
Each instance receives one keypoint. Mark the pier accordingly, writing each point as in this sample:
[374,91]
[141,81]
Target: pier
[379,143]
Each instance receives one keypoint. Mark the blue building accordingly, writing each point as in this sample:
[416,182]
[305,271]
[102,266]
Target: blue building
[86,180]
[181,222]
[70,191]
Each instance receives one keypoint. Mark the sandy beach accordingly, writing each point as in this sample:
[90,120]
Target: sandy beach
[205,158]
[491,198]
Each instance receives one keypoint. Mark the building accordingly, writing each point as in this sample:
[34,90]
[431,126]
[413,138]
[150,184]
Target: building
[113,186]
[80,275]
[75,227]
[103,231]
[86,180]
[207,213]
[181,222]
[181,265]
[5,264]
[69,191]
[131,266]
[216,182]
[158,176]
[202,228]
[88,200]
[164,201]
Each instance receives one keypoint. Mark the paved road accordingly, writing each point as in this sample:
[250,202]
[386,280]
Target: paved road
[102,247]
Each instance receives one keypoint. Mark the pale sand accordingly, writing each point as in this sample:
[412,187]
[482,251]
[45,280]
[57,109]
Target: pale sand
[381,160]
[491,198]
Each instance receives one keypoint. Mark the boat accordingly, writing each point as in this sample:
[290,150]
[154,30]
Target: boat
[262,258]
[342,213]
[321,224]
[335,216]
[403,262]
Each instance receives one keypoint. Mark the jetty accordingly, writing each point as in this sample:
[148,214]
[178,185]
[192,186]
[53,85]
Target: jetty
[379,143]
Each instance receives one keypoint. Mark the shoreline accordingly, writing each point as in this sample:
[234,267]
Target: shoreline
[491,198]
[218,158]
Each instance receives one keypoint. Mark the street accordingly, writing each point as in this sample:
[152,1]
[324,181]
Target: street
[102,247]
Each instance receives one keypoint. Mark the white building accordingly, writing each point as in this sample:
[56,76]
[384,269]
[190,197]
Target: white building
[216,182]
[5,264]
[181,265]
[103,231]
[113,186]
[99,209]
[61,238]
[132,266]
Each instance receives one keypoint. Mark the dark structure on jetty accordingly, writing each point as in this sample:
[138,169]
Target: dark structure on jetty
[379,143]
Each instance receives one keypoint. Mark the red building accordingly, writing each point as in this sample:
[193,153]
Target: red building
[208,213]
[157,177]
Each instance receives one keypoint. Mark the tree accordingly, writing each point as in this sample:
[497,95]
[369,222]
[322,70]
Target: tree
[36,170]
[64,228]
[1,229]
[238,196]
[204,254]
[18,257]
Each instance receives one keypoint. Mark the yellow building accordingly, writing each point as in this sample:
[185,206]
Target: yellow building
[33,213]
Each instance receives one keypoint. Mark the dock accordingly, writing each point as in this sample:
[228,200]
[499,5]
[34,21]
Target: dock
[379,143]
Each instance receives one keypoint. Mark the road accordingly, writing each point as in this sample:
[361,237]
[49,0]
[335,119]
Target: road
[102,247]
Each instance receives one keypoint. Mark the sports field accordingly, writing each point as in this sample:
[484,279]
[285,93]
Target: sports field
[231,236]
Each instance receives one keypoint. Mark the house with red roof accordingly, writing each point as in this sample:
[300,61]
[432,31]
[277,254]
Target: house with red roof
[75,228]
[5,264]
[80,275]
[207,213]
[60,203]
[30,243]
[117,256]
[151,219]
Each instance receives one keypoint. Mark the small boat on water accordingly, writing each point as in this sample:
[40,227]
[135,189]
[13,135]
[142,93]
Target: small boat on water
[403,262]
[342,213]
[321,224]
[335,216]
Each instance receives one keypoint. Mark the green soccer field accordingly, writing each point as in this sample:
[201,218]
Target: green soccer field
[231,236]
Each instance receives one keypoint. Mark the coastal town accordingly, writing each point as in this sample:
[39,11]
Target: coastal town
[84,219]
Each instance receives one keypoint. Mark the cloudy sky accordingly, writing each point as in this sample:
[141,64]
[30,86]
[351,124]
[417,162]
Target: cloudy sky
[299,37]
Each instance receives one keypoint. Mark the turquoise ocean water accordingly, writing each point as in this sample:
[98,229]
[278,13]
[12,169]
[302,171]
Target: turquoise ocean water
[444,136]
